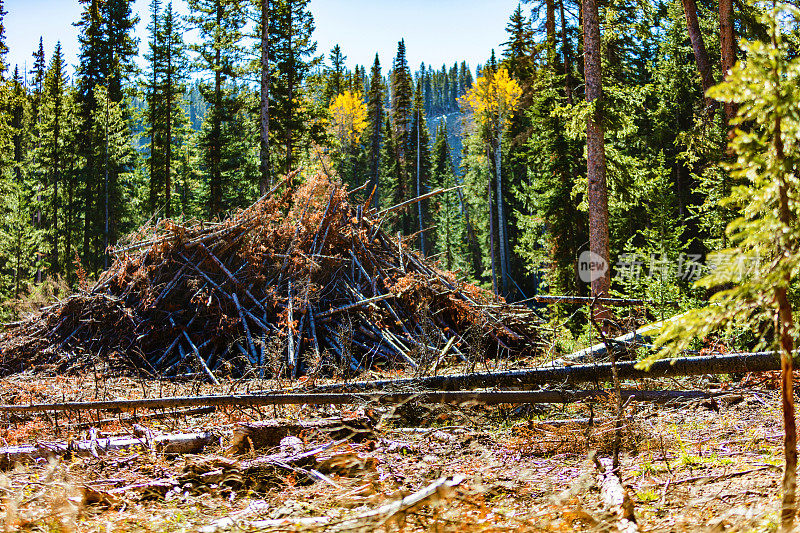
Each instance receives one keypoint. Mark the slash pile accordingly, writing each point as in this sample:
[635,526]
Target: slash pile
[302,281]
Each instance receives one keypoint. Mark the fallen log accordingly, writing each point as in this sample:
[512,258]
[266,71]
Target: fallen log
[261,399]
[616,499]
[572,375]
[253,435]
[179,443]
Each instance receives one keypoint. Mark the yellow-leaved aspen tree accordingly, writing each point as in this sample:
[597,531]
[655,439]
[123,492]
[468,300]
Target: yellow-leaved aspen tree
[493,99]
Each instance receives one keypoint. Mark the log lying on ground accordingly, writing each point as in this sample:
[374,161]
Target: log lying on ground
[455,397]
[572,375]
[179,443]
[616,499]
[300,273]
[253,435]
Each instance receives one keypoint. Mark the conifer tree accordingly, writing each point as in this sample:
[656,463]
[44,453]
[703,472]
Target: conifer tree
[420,157]
[335,80]
[595,156]
[446,216]
[52,157]
[375,114]
[265,167]
[293,54]
[401,114]
[220,24]
[166,88]
[520,42]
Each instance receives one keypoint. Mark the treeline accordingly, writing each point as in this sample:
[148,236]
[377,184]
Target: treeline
[210,125]
[204,128]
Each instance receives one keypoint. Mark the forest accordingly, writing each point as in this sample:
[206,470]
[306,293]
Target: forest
[207,126]
[215,216]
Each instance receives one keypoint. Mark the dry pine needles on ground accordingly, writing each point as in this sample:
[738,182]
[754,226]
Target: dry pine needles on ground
[301,280]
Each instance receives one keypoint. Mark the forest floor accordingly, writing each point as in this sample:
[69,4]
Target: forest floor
[700,465]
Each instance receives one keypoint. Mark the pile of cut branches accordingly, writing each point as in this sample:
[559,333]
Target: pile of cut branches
[301,280]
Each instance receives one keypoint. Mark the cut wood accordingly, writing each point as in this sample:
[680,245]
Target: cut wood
[616,499]
[178,443]
[264,268]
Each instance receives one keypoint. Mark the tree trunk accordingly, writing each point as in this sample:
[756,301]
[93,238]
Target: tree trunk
[727,44]
[105,185]
[492,228]
[501,212]
[699,47]
[596,157]
[567,56]
[216,131]
[550,25]
[472,240]
[419,187]
[168,134]
[266,180]
[56,177]
[783,328]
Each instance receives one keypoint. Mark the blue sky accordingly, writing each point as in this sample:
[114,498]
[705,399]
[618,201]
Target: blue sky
[436,31]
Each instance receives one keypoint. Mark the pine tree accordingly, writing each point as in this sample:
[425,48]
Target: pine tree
[154,112]
[520,42]
[419,155]
[121,47]
[595,155]
[291,32]
[401,113]
[166,87]
[52,157]
[220,24]
[37,78]
[89,74]
[265,166]
[376,115]
[447,217]
[335,77]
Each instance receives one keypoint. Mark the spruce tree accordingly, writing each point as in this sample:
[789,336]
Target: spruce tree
[219,51]
[401,114]
[419,157]
[52,157]
[375,115]
[335,77]
[293,54]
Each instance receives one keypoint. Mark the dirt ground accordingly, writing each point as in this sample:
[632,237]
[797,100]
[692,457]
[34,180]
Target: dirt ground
[701,465]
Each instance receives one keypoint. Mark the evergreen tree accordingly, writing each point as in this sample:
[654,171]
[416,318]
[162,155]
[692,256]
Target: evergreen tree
[53,150]
[166,88]
[219,51]
[291,31]
[119,43]
[334,85]
[375,116]
[520,42]
[446,209]
[402,99]
[420,157]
